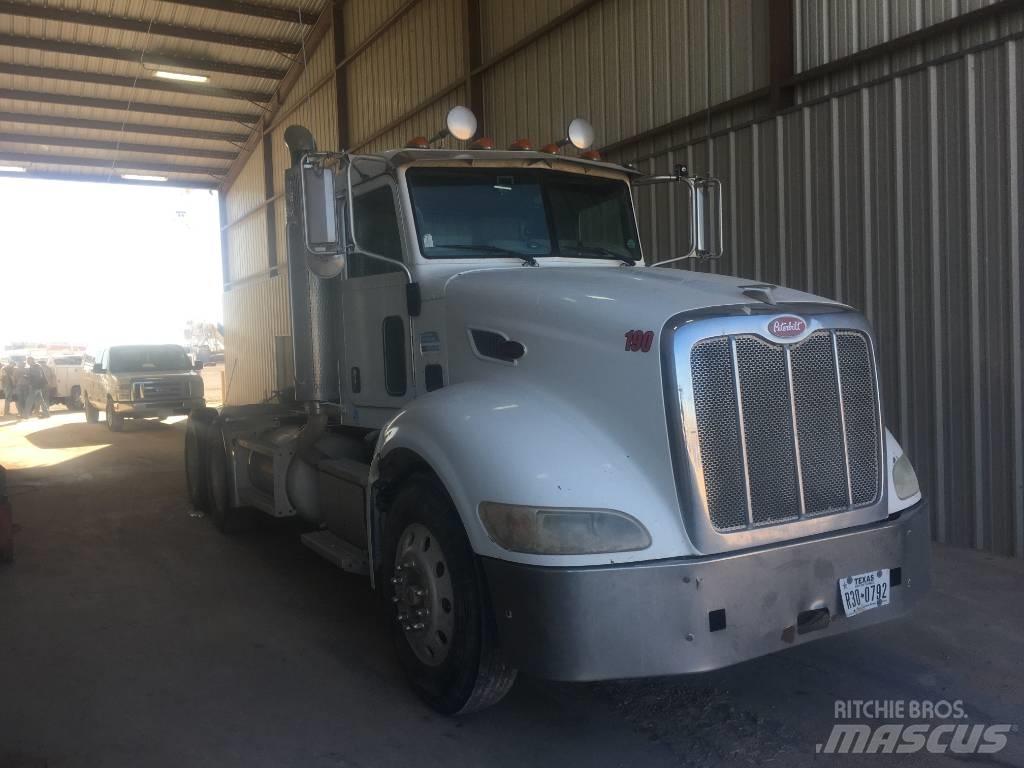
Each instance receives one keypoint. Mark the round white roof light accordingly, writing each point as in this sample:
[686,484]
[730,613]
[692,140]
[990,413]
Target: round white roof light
[581,133]
[461,123]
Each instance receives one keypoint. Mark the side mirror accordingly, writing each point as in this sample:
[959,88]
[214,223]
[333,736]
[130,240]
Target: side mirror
[319,208]
[707,218]
[703,208]
[324,229]
[97,368]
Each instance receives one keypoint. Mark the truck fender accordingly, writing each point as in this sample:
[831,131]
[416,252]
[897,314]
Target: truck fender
[489,441]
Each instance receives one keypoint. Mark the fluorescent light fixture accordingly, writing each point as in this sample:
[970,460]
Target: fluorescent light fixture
[181,76]
[142,177]
[11,169]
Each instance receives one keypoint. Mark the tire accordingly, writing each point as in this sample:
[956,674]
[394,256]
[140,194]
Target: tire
[115,423]
[450,654]
[196,476]
[225,516]
[92,416]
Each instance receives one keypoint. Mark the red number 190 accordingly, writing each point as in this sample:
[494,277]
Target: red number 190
[639,341]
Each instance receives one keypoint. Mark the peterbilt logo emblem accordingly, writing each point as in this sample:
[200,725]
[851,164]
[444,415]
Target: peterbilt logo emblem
[787,326]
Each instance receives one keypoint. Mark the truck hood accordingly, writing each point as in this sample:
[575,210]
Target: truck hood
[594,295]
[582,408]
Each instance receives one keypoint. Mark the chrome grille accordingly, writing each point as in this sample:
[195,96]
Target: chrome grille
[161,389]
[785,430]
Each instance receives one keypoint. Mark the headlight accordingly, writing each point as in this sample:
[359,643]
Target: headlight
[540,531]
[904,479]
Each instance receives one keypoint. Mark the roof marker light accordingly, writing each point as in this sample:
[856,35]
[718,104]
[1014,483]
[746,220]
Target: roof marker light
[417,142]
[521,145]
[141,177]
[549,149]
[592,154]
[484,142]
[181,76]
[11,169]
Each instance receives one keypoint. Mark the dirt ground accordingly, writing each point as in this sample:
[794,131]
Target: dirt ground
[133,634]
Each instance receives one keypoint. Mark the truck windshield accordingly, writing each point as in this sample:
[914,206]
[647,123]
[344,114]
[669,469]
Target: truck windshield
[162,358]
[502,212]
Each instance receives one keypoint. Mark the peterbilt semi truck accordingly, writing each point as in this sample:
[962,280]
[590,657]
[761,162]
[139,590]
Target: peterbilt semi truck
[547,450]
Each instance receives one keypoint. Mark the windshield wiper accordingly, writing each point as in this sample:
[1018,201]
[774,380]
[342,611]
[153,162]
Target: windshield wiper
[526,257]
[599,252]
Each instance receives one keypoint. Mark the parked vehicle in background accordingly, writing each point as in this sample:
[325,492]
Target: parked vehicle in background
[140,381]
[64,373]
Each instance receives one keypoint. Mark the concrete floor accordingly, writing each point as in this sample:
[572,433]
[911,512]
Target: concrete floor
[133,634]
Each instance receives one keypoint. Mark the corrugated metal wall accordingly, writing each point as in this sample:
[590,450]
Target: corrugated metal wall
[627,66]
[893,183]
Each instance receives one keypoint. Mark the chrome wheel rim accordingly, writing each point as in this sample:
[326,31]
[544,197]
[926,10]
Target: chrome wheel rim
[424,603]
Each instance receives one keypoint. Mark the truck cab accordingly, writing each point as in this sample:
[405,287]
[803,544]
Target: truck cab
[140,381]
[547,451]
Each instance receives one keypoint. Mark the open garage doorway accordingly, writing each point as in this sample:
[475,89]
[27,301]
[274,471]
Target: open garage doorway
[88,266]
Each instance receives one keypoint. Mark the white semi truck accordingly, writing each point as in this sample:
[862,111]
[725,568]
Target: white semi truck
[547,452]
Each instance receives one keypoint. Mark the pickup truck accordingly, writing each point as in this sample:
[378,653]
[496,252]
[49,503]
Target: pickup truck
[140,382]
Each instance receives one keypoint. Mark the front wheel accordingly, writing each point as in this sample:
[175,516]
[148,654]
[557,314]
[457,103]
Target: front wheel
[115,422]
[92,416]
[442,623]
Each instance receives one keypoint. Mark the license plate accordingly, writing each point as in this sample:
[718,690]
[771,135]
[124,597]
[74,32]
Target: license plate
[865,591]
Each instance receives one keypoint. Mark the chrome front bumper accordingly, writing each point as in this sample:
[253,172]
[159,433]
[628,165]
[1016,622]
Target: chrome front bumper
[658,617]
[157,408]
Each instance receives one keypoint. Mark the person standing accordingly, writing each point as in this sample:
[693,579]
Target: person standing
[37,389]
[22,390]
[10,387]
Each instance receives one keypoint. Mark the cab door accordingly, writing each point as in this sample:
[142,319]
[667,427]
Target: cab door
[378,378]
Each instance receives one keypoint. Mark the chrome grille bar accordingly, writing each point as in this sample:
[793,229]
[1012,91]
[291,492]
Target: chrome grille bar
[842,418]
[742,429]
[796,431]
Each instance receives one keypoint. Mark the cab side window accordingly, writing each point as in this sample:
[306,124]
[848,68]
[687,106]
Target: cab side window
[376,231]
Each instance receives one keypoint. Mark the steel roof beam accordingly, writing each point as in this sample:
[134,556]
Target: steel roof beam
[170,61]
[59,121]
[122,81]
[95,179]
[115,146]
[126,106]
[53,13]
[251,9]
[117,166]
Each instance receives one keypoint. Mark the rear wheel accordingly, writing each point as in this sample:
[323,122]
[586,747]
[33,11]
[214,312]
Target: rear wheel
[92,416]
[115,422]
[227,517]
[195,463]
[443,627]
